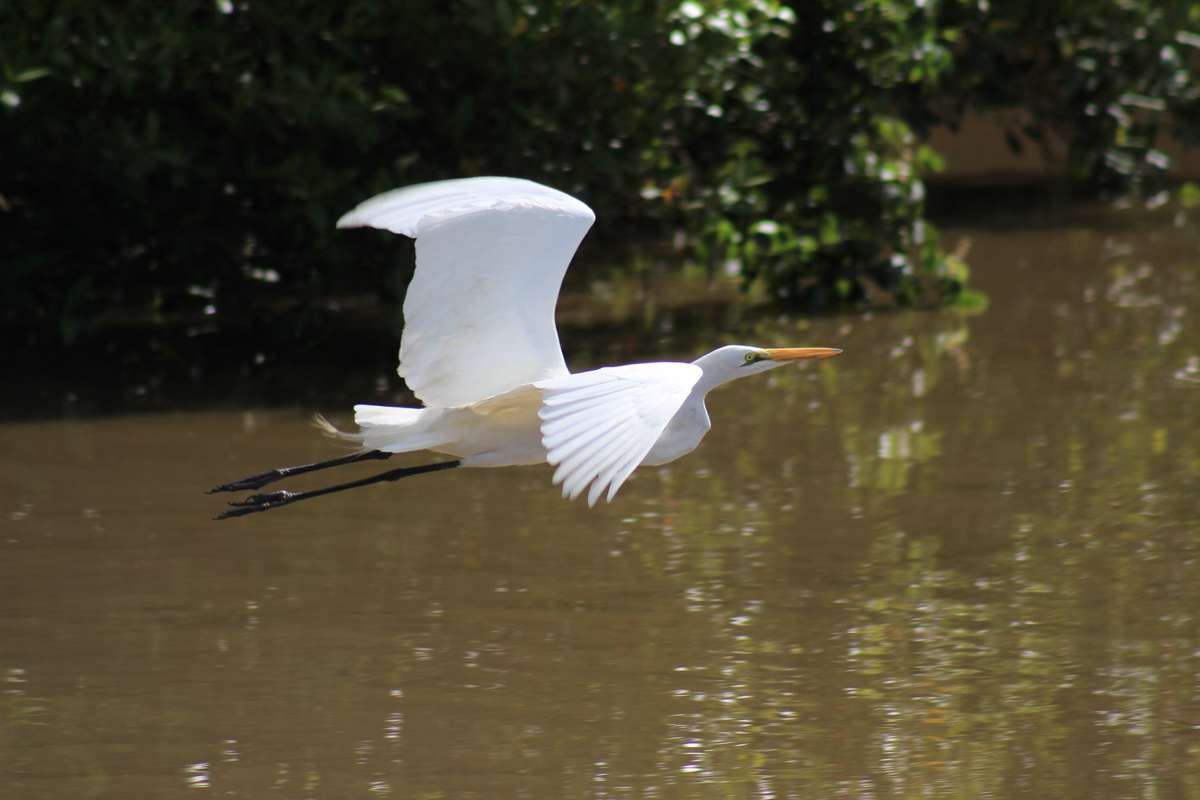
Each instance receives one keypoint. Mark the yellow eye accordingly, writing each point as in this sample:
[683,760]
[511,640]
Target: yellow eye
[752,357]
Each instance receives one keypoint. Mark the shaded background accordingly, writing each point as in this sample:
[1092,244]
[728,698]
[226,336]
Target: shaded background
[959,561]
[168,162]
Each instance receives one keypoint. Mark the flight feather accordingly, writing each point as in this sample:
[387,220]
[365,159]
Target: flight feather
[491,255]
[597,426]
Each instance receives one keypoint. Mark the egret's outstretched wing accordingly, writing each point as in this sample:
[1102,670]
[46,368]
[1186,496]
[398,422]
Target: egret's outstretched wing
[491,255]
[598,426]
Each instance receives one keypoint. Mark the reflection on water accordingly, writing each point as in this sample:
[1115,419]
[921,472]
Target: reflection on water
[961,561]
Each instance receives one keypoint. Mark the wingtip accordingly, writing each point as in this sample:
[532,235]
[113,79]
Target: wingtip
[348,220]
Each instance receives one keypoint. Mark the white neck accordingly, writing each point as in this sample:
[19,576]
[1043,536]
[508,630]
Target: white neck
[716,373]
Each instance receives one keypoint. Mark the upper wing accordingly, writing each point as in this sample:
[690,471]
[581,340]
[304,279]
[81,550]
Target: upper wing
[598,426]
[491,255]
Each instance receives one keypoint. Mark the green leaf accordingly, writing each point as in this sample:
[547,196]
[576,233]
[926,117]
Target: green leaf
[1189,195]
[970,301]
[25,76]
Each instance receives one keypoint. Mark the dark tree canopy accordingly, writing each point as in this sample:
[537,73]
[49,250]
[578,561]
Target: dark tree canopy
[159,155]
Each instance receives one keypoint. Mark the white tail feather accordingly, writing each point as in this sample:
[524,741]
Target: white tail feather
[397,430]
[329,429]
[373,416]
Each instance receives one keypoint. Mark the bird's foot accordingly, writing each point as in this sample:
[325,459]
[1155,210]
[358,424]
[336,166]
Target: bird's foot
[270,476]
[259,502]
[253,482]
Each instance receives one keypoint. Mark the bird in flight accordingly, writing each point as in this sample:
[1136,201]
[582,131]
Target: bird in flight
[480,350]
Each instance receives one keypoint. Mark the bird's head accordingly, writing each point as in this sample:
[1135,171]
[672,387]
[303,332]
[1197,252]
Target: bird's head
[737,361]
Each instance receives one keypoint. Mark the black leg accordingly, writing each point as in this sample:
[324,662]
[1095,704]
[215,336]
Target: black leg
[272,475]
[265,502]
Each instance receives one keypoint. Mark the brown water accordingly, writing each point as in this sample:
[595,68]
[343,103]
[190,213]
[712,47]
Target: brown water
[961,561]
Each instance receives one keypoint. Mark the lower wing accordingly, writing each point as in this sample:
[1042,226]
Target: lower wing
[597,426]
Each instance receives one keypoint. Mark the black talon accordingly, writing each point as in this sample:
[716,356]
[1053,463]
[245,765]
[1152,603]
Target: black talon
[270,476]
[273,498]
[237,512]
[259,502]
[253,482]
[282,497]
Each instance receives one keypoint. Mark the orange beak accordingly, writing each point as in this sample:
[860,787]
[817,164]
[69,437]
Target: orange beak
[797,353]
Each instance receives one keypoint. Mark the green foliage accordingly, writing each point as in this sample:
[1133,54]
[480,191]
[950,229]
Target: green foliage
[1104,77]
[189,158]
[819,188]
[823,197]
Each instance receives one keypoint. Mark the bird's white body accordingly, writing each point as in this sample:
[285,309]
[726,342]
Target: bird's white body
[506,431]
[480,347]
[683,433]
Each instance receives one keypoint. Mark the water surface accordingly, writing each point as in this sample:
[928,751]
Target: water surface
[959,561]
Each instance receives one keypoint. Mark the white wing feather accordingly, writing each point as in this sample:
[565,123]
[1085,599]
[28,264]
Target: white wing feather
[491,255]
[598,426]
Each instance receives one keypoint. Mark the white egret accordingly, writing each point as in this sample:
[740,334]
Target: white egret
[480,349]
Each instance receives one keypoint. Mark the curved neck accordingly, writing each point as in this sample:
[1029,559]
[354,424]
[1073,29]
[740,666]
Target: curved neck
[715,373]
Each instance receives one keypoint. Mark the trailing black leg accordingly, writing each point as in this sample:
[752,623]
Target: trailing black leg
[272,475]
[265,502]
